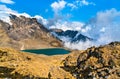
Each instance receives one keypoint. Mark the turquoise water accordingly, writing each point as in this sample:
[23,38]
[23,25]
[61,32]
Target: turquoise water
[50,51]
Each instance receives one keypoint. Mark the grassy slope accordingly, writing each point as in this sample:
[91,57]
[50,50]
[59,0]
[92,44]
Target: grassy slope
[32,65]
[101,62]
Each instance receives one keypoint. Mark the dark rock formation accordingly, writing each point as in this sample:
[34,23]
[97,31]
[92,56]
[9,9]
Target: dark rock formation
[100,63]
[74,36]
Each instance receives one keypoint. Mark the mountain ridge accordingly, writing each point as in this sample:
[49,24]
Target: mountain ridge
[27,33]
[71,35]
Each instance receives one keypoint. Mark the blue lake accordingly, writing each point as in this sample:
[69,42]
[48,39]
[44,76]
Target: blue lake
[49,51]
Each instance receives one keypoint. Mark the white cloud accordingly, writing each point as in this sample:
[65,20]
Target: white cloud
[61,4]
[102,29]
[68,25]
[79,3]
[6,9]
[5,13]
[105,27]
[73,6]
[57,6]
[7,1]
[110,20]
[41,20]
[84,2]
[86,29]
[80,45]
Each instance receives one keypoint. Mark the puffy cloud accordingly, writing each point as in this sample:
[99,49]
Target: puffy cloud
[84,2]
[68,25]
[61,4]
[5,13]
[57,6]
[105,27]
[86,29]
[7,1]
[102,29]
[80,45]
[4,8]
[41,20]
[105,22]
[73,6]
[109,16]
[111,23]
[79,3]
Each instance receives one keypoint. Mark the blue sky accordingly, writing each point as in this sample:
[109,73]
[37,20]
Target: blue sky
[82,11]
[98,19]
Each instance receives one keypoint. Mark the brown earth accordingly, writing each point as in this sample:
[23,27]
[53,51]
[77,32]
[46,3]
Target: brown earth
[94,63]
[19,65]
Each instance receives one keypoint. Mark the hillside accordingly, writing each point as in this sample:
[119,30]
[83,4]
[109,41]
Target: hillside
[95,62]
[26,33]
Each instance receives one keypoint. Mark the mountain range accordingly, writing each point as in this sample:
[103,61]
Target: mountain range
[28,33]
[72,35]
[101,62]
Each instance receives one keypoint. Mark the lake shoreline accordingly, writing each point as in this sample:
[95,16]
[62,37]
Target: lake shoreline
[48,51]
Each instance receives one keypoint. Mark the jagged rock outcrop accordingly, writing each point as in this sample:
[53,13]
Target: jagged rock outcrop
[95,63]
[71,35]
[26,33]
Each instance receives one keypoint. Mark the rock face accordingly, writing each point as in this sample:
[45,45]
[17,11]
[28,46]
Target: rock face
[26,33]
[73,36]
[94,63]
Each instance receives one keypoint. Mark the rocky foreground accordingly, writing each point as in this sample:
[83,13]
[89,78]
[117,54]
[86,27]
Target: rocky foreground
[94,63]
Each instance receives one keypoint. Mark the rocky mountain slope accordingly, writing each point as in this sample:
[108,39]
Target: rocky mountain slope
[26,33]
[70,35]
[94,63]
